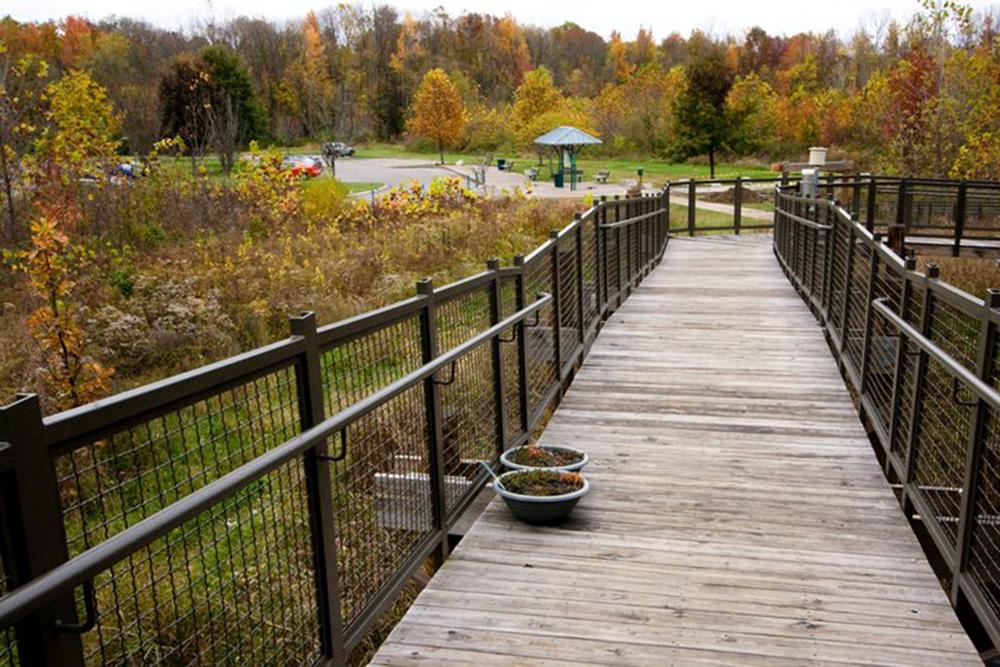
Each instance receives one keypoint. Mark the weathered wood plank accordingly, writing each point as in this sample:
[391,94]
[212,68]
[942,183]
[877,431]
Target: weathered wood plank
[738,513]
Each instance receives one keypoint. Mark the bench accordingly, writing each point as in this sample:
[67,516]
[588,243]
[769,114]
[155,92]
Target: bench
[532,173]
[602,176]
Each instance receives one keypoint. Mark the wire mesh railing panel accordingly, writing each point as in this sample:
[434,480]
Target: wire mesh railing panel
[982,212]
[590,273]
[984,539]
[461,317]
[838,273]
[858,304]
[469,419]
[612,266]
[382,497]
[357,368]
[569,311]
[114,482]
[510,361]
[955,331]
[9,656]
[540,334]
[939,446]
[234,585]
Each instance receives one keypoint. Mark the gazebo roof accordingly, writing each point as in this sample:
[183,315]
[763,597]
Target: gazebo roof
[566,136]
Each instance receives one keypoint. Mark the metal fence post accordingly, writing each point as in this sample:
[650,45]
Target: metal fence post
[691,209]
[38,534]
[496,347]
[738,205]
[871,204]
[666,215]
[856,197]
[960,215]
[435,420]
[602,256]
[579,279]
[976,442]
[902,203]
[309,375]
[556,310]
[522,348]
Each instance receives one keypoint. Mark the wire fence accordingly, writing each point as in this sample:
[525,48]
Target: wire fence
[267,509]
[922,359]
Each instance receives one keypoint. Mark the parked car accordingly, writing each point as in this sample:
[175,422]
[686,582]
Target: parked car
[303,166]
[340,149]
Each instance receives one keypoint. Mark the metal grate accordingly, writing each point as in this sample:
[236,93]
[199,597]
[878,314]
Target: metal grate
[233,586]
[110,484]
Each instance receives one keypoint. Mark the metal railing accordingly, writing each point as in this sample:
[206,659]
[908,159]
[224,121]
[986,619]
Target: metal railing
[921,359]
[930,213]
[269,508]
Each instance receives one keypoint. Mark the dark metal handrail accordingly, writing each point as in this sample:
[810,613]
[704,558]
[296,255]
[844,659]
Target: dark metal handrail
[82,568]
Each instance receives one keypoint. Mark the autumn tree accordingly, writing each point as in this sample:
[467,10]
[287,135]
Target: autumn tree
[701,121]
[22,80]
[438,111]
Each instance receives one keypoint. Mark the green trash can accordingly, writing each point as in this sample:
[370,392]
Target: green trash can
[501,163]
[557,179]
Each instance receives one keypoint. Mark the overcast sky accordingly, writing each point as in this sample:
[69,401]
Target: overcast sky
[717,16]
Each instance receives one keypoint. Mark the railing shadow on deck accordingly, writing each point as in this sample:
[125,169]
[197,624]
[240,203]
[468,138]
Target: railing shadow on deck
[921,359]
[270,507]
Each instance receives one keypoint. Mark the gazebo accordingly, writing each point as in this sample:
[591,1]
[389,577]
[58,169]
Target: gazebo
[567,142]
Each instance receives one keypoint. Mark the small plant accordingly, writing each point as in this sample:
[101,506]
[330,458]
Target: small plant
[534,456]
[543,482]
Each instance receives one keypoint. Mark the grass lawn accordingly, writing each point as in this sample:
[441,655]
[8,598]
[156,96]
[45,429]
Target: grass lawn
[656,171]
[362,187]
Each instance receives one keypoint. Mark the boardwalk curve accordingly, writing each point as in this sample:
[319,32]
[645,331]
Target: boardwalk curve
[738,513]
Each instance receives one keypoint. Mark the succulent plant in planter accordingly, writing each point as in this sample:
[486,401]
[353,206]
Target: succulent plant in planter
[536,457]
[541,496]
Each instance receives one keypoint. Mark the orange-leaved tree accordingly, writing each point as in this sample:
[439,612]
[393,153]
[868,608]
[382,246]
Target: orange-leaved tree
[71,377]
[438,111]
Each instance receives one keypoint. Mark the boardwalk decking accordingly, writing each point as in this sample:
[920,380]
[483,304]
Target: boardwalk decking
[738,514]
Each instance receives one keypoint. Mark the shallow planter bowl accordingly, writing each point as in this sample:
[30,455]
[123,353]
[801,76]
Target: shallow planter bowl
[571,467]
[540,510]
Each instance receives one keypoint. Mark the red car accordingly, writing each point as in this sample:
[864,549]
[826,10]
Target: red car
[302,166]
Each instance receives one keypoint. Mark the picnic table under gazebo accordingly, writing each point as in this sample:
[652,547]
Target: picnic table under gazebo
[567,141]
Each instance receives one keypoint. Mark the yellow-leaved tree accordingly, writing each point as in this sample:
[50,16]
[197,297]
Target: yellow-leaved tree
[438,111]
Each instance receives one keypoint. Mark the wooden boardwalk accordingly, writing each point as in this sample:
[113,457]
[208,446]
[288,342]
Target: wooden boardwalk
[738,514]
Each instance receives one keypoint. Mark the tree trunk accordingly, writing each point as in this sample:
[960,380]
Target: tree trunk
[8,184]
[711,161]
[441,150]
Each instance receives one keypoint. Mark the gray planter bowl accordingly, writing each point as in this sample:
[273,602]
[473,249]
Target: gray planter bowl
[572,467]
[540,510]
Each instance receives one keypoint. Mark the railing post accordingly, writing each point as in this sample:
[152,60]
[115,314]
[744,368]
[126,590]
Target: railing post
[579,280]
[557,310]
[829,238]
[666,217]
[871,204]
[309,375]
[976,442]
[38,533]
[435,420]
[691,208]
[869,297]
[618,254]
[960,215]
[629,242]
[902,203]
[522,348]
[905,292]
[738,205]
[499,385]
[918,388]
[600,220]
[856,197]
